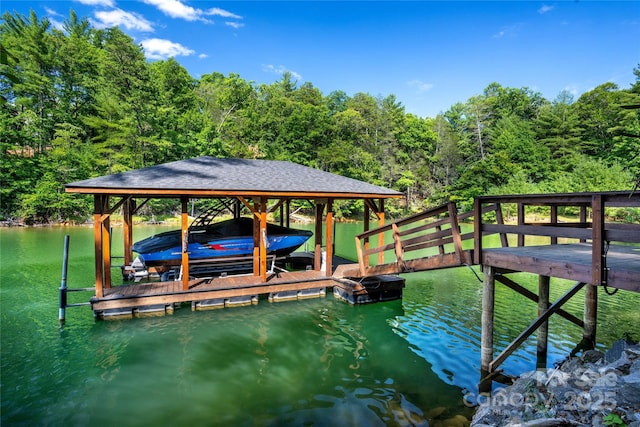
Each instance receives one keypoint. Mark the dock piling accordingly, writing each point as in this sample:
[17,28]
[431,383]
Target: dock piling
[63,281]
[486,345]
[543,330]
[590,315]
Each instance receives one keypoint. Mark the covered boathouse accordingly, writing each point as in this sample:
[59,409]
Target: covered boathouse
[262,186]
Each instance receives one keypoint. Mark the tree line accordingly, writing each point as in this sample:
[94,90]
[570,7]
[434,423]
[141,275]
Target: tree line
[81,102]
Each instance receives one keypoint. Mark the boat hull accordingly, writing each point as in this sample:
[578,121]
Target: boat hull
[224,240]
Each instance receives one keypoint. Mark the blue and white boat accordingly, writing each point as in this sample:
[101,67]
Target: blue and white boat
[222,240]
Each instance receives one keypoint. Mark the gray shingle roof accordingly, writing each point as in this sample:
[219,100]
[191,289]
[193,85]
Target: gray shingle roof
[202,175]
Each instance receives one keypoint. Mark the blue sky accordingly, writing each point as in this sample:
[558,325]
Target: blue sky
[429,54]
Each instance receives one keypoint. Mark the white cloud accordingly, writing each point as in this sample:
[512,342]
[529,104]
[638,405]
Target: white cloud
[234,24]
[545,8]
[222,13]
[280,70]
[53,15]
[176,9]
[51,12]
[104,3]
[163,49]
[119,17]
[420,85]
[203,56]
[510,30]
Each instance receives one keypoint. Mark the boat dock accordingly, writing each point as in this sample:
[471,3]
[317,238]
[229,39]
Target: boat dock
[260,188]
[598,254]
[152,298]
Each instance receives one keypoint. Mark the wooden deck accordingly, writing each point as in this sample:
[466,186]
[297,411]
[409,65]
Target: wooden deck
[569,261]
[230,290]
[158,293]
[591,250]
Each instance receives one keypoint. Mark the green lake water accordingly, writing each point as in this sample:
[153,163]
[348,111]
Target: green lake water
[317,362]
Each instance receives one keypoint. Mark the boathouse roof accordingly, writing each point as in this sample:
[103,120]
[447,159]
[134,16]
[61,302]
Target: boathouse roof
[211,176]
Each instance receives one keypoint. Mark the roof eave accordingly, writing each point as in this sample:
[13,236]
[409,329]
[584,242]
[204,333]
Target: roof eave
[154,192]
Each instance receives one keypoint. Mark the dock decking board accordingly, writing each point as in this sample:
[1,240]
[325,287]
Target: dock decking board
[569,261]
[138,295]
[143,294]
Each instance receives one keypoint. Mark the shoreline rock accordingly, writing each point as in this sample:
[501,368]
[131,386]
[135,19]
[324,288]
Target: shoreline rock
[595,389]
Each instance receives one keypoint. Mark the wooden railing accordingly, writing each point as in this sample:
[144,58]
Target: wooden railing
[409,239]
[596,231]
[406,243]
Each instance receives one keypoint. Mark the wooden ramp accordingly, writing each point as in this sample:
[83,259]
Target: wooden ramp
[595,252]
[429,240]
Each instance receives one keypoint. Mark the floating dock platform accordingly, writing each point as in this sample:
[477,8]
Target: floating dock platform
[370,289]
[159,298]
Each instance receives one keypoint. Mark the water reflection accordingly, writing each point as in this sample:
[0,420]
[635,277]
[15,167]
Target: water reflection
[309,362]
[320,362]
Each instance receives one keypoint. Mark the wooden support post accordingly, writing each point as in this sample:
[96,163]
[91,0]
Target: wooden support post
[521,221]
[98,207]
[583,218]
[288,205]
[263,239]
[597,241]
[486,339]
[380,214]
[543,330]
[329,239]
[440,247]
[317,262]
[185,242]
[500,220]
[366,227]
[477,231]
[362,265]
[554,221]
[488,304]
[397,243]
[256,238]
[106,245]
[590,315]
[128,208]
[237,208]
[455,230]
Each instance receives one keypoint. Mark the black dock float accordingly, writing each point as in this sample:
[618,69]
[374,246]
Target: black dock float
[369,289]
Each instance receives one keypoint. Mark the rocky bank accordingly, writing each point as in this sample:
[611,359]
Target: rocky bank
[595,389]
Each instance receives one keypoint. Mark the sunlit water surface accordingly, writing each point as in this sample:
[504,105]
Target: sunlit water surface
[318,362]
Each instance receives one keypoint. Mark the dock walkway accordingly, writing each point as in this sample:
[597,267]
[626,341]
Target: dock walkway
[593,252]
[622,267]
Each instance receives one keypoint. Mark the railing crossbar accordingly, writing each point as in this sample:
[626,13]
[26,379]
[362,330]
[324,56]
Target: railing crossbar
[424,227]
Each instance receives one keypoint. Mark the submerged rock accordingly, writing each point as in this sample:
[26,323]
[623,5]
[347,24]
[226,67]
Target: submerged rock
[595,389]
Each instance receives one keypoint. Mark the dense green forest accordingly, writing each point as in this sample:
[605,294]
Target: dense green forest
[84,102]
